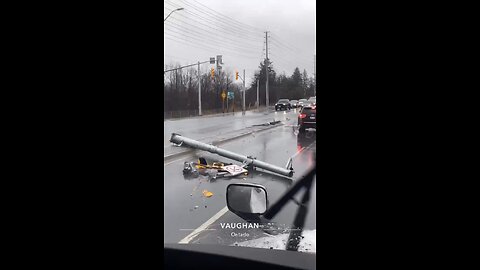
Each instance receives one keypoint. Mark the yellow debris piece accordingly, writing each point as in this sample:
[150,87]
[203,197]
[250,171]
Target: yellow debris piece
[207,193]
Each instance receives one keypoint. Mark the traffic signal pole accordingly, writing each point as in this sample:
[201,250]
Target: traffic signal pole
[243,101]
[244,89]
[199,92]
[199,79]
[267,102]
[258,103]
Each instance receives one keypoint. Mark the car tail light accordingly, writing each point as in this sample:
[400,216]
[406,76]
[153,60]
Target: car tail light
[302,115]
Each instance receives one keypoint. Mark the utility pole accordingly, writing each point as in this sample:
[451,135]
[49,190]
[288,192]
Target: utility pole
[315,75]
[266,69]
[199,92]
[227,93]
[258,85]
[243,102]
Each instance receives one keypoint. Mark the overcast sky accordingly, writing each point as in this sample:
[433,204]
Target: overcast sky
[236,30]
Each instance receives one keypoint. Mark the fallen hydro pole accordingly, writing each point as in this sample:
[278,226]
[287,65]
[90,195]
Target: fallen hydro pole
[180,140]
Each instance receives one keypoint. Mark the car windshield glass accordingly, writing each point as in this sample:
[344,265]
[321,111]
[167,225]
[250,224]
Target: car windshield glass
[226,90]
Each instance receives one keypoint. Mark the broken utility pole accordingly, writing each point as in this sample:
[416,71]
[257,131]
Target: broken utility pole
[179,139]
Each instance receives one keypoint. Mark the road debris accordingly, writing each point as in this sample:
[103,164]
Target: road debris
[214,170]
[207,193]
[267,124]
[247,161]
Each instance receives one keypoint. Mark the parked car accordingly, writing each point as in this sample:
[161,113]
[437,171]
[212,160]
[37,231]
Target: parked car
[307,118]
[294,103]
[283,104]
[301,102]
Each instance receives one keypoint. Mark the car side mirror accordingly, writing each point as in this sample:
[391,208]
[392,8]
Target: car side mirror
[245,198]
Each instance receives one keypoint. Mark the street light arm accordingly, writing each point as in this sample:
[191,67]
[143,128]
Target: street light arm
[168,15]
[171,13]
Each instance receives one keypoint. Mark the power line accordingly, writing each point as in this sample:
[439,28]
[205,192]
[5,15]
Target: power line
[291,56]
[218,19]
[286,43]
[202,46]
[216,23]
[203,40]
[254,29]
[287,62]
[240,40]
[292,52]
[227,42]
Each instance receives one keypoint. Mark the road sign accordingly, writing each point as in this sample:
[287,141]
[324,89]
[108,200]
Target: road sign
[234,169]
[224,95]
[230,95]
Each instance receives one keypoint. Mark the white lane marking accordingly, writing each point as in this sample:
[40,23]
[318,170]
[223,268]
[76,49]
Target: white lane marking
[165,164]
[204,226]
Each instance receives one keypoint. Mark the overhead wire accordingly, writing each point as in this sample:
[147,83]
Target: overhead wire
[292,53]
[217,19]
[197,34]
[210,33]
[206,46]
[215,24]
[220,15]
[210,36]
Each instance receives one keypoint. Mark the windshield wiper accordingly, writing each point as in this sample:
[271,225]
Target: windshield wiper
[298,223]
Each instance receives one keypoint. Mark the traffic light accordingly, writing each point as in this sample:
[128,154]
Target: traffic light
[212,72]
[236,75]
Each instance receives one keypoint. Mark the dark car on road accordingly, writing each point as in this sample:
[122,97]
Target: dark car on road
[283,104]
[307,118]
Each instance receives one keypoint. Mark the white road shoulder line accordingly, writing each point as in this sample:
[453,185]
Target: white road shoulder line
[202,227]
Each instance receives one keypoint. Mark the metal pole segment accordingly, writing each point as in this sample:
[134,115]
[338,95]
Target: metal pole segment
[243,101]
[185,66]
[258,104]
[199,92]
[178,139]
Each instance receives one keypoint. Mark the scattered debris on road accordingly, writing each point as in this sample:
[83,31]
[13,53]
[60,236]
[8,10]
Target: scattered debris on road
[207,193]
[268,124]
[248,162]
[213,171]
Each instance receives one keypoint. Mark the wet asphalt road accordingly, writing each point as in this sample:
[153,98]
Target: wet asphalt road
[209,126]
[186,209]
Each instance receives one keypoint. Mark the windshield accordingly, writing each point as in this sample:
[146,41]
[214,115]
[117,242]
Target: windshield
[221,86]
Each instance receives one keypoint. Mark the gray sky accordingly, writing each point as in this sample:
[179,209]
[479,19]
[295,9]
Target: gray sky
[235,30]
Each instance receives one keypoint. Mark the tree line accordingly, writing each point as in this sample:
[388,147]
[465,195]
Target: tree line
[181,88]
